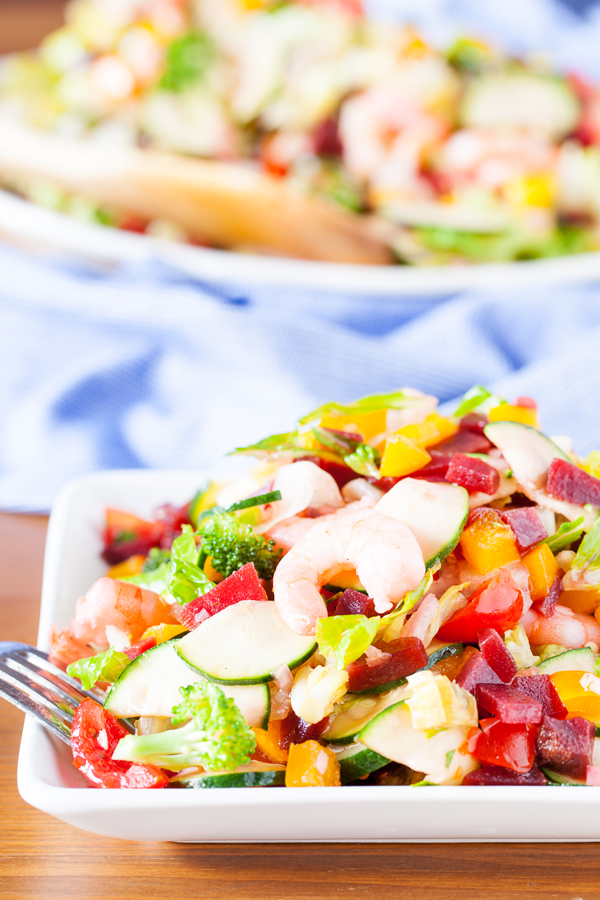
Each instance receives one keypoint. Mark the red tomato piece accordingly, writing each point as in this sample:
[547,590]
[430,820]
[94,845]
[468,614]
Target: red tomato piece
[241,585]
[94,736]
[497,603]
[500,744]
[137,649]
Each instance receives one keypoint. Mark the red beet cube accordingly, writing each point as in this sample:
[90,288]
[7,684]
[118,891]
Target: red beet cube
[548,603]
[137,649]
[473,474]
[462,442]
[509,704]
[436,469]
[295,730]
[340,473]
[566,746]
[351,603]
[476,671]
[526,525]
[498,775]
[241,585]
[474,422]
[570,483]
[496,655]
[541,688]
[408,655]
[501,744]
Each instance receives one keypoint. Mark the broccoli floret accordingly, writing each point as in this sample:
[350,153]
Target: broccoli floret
[155,559]
[231,544]
[216,736]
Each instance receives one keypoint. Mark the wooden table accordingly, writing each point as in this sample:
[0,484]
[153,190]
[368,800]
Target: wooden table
[44,859]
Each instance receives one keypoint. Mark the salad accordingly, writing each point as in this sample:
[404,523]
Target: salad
[460,154]
[391,597]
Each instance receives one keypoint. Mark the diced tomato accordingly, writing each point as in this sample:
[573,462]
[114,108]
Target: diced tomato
[137,649]
[127,535]
[241,585]
[500,744]
[407,655]
[94,736]
[473,474]
[497,603]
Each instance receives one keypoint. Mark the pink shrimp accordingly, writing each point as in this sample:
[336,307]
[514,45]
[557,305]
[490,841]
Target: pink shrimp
[288,532]
[125,606]
[565,627]
[65,649]
[383,552]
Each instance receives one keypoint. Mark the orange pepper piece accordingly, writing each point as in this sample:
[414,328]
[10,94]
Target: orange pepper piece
[508,413]
[542,568]
[130,566]
[578,700]
[211,572]
[488,543]
[312,765]
[581,601]
[402,456]
[268,742]
[368,424]
[163,633]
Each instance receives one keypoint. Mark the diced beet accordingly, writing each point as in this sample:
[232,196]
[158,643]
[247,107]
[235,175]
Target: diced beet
[137,649]
[341,474]
[462,442]
[509,704]
[499,775]
[344,435]
[541,688]
[295,730]
[526,525]
[496,654]
[172,518]
[436,469]
[473,474]
[351,603]
[384,484]
[326,138]
[566,746]
[408,655]
[474,422]
[119,552]
[476,671]
[548,603]
[570,483]
[241,585]
[504,744]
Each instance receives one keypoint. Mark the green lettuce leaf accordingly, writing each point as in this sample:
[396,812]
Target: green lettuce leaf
[187,60]
[105,666]
[187,581]
[566,534]
[394,400]
[345,637]
[335,442]
[471,400]
[364,461]
[250,502]
[586,565]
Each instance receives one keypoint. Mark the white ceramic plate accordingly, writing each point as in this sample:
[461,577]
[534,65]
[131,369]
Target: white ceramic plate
[48,781]
[46,231]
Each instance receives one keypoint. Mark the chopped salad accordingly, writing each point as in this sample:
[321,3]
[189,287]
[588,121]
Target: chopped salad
[460,154]
[392,596]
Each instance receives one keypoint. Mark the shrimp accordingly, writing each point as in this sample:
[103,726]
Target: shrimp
[383,552]
[126,606]
[288,532]
[302,485]
[65,649]
[564,627]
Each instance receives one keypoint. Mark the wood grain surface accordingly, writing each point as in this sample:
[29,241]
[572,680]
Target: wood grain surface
[44,859]
[23,23]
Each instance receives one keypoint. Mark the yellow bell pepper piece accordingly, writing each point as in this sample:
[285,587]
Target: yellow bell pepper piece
[163,633]
[130,566]
[488,543]
[579,700]
[531,190]
[592,464]
[432,430]
[369,425]
[586,601]
[402,456]
[267,741]
[507,413]
[542,568]
[312,765]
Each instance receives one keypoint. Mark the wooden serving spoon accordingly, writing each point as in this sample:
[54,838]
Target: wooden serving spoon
[226,204]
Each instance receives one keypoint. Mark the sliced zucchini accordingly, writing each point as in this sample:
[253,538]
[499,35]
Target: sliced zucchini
[357,761]
[244,644]
[559,778]
[355,712]
[438,651]
[149,686]
[437,755]
[435,512]
[255,774]
[583,660]
[529,454]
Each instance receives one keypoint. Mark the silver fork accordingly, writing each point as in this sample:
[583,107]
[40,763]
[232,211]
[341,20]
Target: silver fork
[42,690]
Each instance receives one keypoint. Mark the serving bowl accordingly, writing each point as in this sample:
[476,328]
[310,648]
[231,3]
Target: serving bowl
[48,781]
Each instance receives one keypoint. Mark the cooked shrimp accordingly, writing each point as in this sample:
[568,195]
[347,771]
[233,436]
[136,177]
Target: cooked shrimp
[125,606]
[288,532]
[302,485]
[65,649]
[564,627]
[383,552]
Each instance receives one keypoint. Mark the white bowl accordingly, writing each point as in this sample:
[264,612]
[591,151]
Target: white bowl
[47,231]
[48,781]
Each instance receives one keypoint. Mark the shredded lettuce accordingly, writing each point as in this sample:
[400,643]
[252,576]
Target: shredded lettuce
[364,461]
[471,400]
[345,637]
[187,60]
[187,581]
[517,644]
[250,502]
[155,573]
[391,623]
[105,666]
[372,403]
[586,565]
[566,535]
[336,442]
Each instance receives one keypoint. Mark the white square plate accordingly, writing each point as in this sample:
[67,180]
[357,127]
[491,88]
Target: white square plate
[48,781]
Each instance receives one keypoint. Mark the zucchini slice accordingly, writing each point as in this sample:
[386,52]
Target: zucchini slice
[437,755]
[244,644]
[434,511]
[255,774]
[357,761]
[559,778]
[149,686]
[437,652]
[583,660]
[354,713]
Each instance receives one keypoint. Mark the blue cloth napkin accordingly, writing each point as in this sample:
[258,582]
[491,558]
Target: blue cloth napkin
[145,367]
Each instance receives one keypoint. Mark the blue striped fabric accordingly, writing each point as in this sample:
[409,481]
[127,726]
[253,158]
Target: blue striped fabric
[146,368]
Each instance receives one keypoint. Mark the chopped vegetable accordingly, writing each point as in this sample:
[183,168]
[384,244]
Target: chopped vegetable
[187,581]
[487,542]
[232,544]
[312,765]
[104,667]
[345,638]
[543,569]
